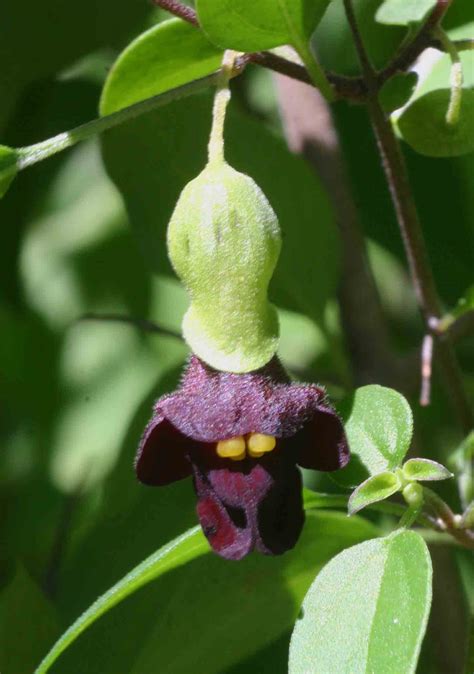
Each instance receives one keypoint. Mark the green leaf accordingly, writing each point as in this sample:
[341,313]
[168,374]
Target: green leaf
[375,488]
[367,610]
[245,25]
[379,427]
[8,167]
[28,624]
[425,469]
[403,12]
[397,91]
[423,125]
[308,268]
[164,57]
[189,545]
[264,594]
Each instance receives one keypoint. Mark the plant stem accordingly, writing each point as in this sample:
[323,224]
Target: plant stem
[454,109]
[410,516]
[39,151]
[407,214]
[221,101]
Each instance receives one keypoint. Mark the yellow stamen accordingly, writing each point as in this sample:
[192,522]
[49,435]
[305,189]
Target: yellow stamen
[233,448]
[240,457]
[259,444]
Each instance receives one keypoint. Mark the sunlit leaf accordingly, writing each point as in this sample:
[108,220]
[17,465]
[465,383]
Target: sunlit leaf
[379,426]
[425,469]
[164,57]
[367,610]
[375,488]
[403,12]
[245,25]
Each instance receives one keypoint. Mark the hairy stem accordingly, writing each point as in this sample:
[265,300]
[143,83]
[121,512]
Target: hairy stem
[39,151]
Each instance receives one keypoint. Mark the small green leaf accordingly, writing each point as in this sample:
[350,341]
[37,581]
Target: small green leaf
[249,26]
[8,167]
[423,125]
[425,469]
[403,12]
[397,91]
[375,488]
[164,57]
[379,427]
[367,610]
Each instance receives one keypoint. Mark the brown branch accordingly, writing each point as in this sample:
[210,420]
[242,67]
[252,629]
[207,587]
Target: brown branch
[424,39]
[410,227]
[178,9]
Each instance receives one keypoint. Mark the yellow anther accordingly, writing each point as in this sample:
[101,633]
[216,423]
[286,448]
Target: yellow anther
[233,448]
[240,457]
[259,444]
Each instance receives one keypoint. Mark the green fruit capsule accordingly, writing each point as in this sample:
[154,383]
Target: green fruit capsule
[224,242]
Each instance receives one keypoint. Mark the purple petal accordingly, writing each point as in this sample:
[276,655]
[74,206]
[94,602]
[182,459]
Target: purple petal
[161,457]
[249,504]
[212,405]
[322,443]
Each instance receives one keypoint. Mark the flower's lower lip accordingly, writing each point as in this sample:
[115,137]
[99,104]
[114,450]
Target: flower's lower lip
[259,507]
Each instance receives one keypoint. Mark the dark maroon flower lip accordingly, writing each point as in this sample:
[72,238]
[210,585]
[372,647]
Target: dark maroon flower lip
[254,502]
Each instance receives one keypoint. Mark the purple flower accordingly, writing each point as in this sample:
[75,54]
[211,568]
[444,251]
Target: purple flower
[241,436]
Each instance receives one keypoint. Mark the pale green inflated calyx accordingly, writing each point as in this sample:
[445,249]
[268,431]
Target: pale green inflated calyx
[224,241]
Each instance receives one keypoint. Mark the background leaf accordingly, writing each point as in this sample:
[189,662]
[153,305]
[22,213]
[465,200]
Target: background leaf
[28,623]
[256,602]
[168,55]
[379,427]
[403,12]
[8,167]
[423,125]
[367,610]
[250,26]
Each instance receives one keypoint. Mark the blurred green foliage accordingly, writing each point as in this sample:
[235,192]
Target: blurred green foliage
[75,394]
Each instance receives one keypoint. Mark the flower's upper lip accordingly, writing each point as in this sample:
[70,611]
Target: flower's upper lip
[213,406]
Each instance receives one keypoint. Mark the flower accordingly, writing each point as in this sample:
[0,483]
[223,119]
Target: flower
[242,437]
